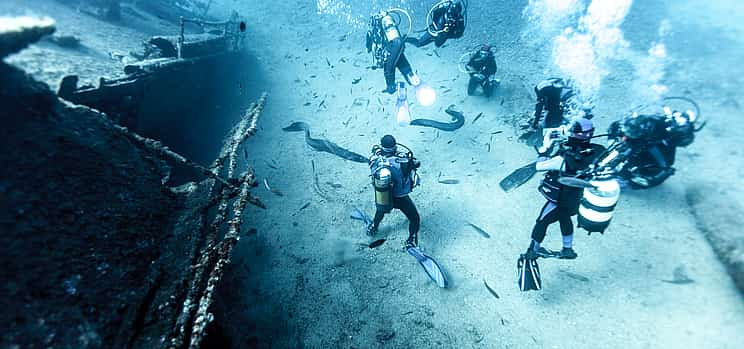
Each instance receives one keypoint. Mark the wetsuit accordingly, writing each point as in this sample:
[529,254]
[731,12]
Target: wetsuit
[562,201]
[448,23]
[550,94]
[651,133]
[403,183]
[481,66]
[384,34]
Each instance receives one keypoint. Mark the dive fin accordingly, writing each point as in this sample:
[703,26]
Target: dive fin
[528,274]
[518,177]
[361,216]
[431,267]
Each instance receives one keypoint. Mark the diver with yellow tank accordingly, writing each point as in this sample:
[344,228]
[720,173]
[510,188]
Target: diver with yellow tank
[393,177]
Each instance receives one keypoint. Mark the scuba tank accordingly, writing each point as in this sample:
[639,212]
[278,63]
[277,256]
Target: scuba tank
[402,113]
[389,27]
[382,181]
[597,204]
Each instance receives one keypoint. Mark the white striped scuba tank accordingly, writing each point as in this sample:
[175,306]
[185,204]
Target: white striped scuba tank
[597,205]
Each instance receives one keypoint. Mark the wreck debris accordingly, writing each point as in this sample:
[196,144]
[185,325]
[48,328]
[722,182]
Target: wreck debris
[194,316]
[203,316]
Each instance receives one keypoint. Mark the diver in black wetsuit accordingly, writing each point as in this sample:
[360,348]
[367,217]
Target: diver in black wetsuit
[552,95]
[575,155]
[386,44]
[395,171]
[481,66]
[447,22]
[658,134]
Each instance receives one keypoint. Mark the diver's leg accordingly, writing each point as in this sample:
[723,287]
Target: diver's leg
[396,53]
[405,204]
[658,156]
[440,39]
[472,84]
[405,67]
[548,216]
[372,228]
[422,41]
[567,231]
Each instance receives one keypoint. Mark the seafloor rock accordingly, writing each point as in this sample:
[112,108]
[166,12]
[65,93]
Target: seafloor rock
[18,32]
[719,218]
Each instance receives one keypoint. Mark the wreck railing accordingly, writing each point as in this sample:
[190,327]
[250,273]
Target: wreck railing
[182,24]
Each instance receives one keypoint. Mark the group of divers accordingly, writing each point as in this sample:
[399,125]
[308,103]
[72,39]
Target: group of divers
[580,177]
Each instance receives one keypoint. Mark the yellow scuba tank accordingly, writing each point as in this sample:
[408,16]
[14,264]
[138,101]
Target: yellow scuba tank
[597,205]
[382,181]
[389,27]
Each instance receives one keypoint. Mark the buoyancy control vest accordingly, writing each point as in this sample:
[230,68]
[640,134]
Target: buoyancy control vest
[575,159]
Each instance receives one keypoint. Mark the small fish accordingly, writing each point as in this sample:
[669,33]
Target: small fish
[479,230]
[576,276]
[307,103]
[477,117]
[273,190]
[329,63]
[321,104]
[376,243]
[356,81]
[449,181]
[304,206]
[493,293]
[496,132]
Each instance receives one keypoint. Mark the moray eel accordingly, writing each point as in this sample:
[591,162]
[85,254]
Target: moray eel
[325,145]
[457,117]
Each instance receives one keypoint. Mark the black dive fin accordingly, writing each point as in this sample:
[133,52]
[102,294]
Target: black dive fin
[518,177]
[528,274]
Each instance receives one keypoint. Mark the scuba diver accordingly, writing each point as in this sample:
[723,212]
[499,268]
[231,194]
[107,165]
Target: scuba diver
[651,141]
[394,177]
[552,98]
[445,20]
[481,66]
[385,42]
[565,157]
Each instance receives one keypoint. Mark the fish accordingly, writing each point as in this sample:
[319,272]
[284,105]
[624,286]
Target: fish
[356,81]
[273,190]
[449,181]
[304,206]
[477,117]
[458,119]
[324,145]
[479,230]
[376,243]
[490,290]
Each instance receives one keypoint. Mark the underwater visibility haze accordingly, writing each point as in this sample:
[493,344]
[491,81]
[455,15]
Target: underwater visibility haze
[371,174]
